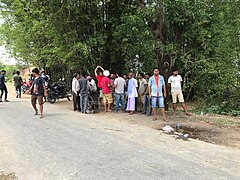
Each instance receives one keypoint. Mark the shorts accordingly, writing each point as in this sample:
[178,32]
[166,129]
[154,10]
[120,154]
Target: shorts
[34,99]
[160,100]
[178,96]
[107,98]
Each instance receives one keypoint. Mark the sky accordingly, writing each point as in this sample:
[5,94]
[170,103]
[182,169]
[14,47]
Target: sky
[4,56]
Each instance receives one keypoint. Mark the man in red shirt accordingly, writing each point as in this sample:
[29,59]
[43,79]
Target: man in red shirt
[107,96]
[99,78]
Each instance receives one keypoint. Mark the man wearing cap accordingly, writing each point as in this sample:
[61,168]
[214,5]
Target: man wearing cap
[107,96]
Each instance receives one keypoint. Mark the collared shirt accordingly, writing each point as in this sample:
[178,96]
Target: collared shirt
[75,85]
[156,88]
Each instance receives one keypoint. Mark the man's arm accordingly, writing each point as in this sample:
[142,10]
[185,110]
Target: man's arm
[149,92]
[164,91]
[101,68]
[45,89]
[95,71]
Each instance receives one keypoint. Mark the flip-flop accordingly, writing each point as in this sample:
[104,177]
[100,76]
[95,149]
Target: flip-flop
[166,120]
[41,117]
[154,119]
[36,113]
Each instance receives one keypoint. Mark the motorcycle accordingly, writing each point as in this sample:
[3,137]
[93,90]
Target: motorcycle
[58,91]
[25,87]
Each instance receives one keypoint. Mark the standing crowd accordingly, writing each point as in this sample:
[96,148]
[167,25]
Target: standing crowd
[127,92]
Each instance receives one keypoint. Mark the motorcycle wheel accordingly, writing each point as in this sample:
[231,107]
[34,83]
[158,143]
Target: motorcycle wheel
[51,99]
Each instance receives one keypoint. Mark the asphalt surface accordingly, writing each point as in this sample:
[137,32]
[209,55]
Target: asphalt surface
[70,145]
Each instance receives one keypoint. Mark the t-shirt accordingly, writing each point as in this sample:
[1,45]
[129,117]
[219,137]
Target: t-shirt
[175,82]
[92,85]
[142,86]
[38,86]
[120,85]
[105,85]
[83,86]
[17,80]
[2,81]
[99,79]
[156,79]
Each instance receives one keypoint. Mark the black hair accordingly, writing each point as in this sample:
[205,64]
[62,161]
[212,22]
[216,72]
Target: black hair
[18,72]
[155,68]
[35,70]
[119,74]
[75,74]
[149,74]
[3,71]
[174,69]
[141,74]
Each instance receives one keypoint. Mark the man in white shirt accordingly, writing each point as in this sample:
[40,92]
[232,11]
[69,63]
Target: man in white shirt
[75,90]
[175,83]
[119,85]
[132,94]
[93,91]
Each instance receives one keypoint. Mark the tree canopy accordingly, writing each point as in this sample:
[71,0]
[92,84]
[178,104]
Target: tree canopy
[201,38]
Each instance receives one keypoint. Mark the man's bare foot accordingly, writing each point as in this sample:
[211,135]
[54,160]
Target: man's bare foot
[41,117]
[165,120]
[188,114]
[155,119]
[109,110]
[174,115]
[131,113]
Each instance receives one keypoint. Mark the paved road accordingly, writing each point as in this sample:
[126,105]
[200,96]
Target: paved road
[68,145]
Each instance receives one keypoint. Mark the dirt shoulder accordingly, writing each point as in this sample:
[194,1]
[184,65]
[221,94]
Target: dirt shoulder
[222,130]
[216,129]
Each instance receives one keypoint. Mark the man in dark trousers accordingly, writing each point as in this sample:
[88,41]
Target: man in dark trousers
[83,82]
[75,90]
[18,84]
[3,86]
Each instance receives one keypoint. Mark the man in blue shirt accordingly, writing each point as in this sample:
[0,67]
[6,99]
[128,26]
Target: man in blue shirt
[157,93]
[3,86]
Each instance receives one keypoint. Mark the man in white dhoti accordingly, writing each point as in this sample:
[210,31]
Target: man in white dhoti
[132,93]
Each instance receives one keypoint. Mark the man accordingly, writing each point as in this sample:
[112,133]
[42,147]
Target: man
[174,83]
[99,77]
[83,82]
[93,90]
[132,94]
[3,86]
[18,84]
[142,89]
[147,107]
[157,92]
[38,90]
[107,96]
[119,85]
[75,90]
